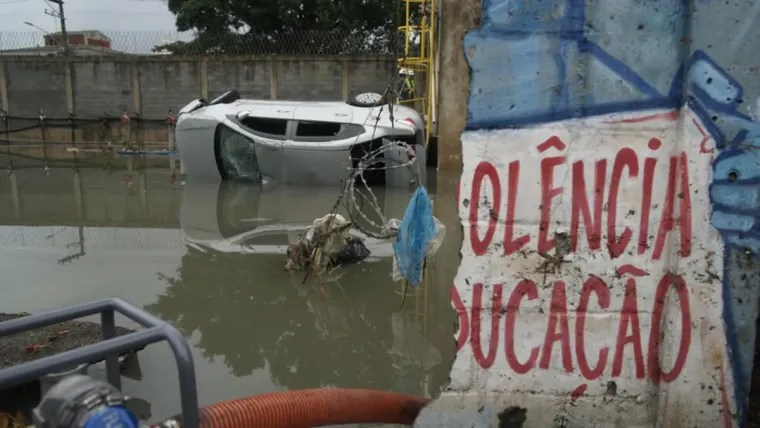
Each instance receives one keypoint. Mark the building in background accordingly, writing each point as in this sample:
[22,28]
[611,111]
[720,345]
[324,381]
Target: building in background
[79,38]
[81,43]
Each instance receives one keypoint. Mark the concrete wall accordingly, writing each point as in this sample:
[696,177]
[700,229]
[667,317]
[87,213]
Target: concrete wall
[609,199]
[456,17]
[150,86]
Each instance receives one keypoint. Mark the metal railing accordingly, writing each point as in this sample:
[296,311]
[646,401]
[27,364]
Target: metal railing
[109,349]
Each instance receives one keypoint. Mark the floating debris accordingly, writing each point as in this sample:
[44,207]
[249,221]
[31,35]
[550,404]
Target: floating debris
[325,244]
[418,237]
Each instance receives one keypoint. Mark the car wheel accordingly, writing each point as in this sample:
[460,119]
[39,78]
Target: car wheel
[367,99]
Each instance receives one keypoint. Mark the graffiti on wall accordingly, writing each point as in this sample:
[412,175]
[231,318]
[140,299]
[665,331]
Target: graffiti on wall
[609,199]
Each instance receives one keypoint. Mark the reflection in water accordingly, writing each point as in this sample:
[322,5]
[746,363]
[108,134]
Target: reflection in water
[232,289]
[209,258]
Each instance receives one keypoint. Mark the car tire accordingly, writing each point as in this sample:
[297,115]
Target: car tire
[367,99]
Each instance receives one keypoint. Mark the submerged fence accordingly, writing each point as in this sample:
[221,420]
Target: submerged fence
[130,130]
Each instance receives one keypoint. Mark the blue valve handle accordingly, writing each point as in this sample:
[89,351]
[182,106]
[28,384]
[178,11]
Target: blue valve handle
[112,417]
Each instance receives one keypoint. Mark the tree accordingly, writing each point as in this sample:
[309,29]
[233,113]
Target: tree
[285,26]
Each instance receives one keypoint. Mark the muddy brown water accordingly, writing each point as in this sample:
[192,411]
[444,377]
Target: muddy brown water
[208,258]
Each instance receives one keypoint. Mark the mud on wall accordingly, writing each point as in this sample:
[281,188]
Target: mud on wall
[609,199]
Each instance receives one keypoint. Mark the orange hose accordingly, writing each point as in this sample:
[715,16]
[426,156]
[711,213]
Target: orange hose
[312,408]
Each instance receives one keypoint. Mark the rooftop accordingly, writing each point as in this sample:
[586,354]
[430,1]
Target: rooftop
[54,50]
[95,34]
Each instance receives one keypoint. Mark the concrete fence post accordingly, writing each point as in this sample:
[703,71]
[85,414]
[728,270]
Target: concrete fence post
[457,17]
[171,122]
[204,77]
[69,78]
[136,89]
[136,101]
[3,89]
[68,70]
[345,80]
[272,79]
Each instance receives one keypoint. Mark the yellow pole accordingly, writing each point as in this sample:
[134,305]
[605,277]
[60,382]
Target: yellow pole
[423,29]
[406,29]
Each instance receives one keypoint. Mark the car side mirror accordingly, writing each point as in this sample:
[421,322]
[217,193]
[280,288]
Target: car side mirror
[243,114]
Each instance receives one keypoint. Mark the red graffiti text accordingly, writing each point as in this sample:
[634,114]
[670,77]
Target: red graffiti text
[566,340]
[588,201]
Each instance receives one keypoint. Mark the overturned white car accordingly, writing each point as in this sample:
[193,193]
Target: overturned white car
[299,142]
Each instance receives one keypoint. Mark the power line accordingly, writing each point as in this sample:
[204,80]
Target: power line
[47,3]
[60,15]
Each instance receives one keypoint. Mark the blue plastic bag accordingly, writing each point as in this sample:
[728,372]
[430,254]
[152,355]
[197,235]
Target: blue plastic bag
[416,231]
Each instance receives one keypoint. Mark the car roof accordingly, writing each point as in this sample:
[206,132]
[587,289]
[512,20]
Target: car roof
[300,110]
[291,103]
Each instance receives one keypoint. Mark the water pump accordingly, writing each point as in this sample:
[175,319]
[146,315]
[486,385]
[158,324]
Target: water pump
[80,401]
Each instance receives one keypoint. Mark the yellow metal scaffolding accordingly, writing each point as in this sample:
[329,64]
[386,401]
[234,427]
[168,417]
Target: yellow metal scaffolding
[418,31]
[419,56]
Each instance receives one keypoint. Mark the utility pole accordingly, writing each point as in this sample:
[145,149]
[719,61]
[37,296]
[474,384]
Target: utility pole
[62,17]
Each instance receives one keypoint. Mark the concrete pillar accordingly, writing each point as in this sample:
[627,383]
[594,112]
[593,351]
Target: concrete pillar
[132,137]
[204,78]
[457,17]
[3,89]
[136,94]
[345,82]
[272,79]
[68,75]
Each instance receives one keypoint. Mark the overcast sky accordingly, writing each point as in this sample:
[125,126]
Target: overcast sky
[150,18]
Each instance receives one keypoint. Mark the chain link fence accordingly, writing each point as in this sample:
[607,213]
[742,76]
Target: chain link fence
[304,42]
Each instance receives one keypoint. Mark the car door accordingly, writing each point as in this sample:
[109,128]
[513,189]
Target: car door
[269,127]
[323,127]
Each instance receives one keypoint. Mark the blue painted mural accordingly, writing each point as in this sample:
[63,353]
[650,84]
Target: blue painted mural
[535,62]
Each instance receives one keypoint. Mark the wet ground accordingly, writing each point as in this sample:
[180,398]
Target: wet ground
[209,258]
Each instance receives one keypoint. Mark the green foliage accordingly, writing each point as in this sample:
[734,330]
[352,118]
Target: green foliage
[285,26]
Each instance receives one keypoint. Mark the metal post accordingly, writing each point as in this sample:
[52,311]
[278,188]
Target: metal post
[64,34]
[107,318]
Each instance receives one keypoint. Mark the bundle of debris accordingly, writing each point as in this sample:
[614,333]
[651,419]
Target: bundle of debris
[327,242]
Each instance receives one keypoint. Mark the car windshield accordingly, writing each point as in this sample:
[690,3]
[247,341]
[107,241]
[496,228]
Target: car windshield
[237,156]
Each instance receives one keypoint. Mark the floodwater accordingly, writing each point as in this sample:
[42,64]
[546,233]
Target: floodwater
[209,258]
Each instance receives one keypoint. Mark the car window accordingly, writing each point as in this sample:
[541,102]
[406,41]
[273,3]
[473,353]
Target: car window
[266,127]
[236,156]
[317,129]
[325,131]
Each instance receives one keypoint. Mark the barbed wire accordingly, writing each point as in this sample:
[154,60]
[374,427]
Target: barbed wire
[316,253]
[386,229]
[300,42]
